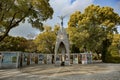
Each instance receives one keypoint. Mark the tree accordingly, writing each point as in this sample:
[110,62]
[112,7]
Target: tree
[116,42]
[30,46]
[13,12]
[113,50]
[13,44]
[45,41]
[93,29]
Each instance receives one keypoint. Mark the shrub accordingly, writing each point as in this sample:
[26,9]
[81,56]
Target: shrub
[112,55]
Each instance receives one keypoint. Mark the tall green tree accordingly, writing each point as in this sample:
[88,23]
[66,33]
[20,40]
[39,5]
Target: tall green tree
[45,41]
[13,12]
[93,29]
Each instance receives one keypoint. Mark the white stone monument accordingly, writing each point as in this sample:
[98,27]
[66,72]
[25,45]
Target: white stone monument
[62,45]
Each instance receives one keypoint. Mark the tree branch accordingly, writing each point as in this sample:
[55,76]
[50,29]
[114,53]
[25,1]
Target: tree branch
[11,25]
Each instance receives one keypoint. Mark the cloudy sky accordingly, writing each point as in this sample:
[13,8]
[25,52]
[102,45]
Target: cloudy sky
[64,8]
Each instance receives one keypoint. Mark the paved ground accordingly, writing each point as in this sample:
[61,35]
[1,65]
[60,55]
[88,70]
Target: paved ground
[73,72]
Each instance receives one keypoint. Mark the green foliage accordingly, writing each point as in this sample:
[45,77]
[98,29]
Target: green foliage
[13,44]
[17,44]
[93,29]
[13,12]
[30,46]
[112,59]
[112,55]
[45,41]
[113,51]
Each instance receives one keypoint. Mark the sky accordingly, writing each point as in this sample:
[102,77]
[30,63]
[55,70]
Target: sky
[64,8]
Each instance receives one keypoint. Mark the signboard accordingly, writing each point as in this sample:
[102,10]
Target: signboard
[32,58]
[25,59]
[41,58]
[84,58]
[58,60]
[75,59]
[89,58]
[8,58]
[49,59]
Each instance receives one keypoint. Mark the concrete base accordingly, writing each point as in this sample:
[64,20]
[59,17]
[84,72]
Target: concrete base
[84,62]
[67,62]
[58,63]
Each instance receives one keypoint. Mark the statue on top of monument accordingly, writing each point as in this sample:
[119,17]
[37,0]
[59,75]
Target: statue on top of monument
[61,18]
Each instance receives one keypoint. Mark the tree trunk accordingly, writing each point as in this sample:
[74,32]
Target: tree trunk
[106,44]
[5,34]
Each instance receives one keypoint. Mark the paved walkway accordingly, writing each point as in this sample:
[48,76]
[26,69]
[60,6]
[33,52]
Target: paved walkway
[73,72]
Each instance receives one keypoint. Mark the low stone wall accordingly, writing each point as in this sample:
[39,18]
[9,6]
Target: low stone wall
[20,59]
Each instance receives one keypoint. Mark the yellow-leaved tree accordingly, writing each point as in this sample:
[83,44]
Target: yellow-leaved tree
[45,41]
[92,30]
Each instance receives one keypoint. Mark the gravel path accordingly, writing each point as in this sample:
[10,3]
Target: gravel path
[74,72]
